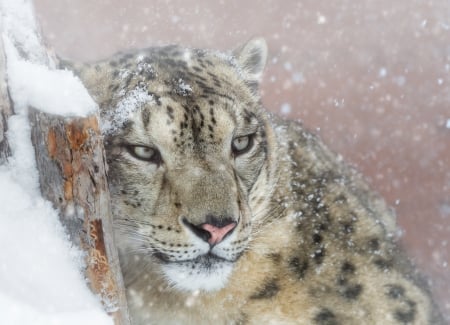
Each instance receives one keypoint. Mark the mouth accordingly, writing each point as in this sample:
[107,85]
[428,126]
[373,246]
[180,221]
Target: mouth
[207,272]
[206,261]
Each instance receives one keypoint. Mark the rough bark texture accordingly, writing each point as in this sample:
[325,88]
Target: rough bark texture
[72,173]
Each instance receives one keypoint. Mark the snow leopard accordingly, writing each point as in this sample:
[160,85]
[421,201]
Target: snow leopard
[227,214]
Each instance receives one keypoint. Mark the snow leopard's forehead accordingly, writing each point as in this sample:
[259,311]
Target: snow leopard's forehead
[172,70]
[185,91]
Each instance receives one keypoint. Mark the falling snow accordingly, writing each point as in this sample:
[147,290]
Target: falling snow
[285,109]
[321,19]
[372,76]
[382,73]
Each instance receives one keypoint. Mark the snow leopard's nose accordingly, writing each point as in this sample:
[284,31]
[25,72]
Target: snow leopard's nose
[218,234]
[214,230]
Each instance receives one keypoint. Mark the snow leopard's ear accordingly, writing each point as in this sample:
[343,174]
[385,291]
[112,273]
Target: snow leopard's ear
[251,58]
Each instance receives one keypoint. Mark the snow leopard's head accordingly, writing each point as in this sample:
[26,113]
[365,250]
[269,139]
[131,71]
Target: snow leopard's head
[190,155]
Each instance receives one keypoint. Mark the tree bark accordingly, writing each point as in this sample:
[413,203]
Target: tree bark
[72,169]
[72,173]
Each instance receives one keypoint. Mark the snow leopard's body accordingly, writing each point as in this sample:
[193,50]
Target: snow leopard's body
[225,215]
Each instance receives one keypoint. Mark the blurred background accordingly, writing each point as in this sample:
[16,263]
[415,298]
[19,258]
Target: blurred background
[372,78]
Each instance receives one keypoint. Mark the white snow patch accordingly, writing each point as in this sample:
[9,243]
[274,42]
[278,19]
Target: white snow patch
[52,91]
[143,66]
[183,89]
[125,109]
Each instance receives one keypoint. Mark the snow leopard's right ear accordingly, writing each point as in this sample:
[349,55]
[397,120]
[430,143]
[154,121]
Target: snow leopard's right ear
[251,59]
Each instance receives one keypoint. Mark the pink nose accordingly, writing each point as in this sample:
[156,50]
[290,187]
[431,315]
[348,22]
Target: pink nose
[217,234]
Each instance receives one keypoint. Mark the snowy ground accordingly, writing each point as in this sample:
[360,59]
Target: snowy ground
[40,273]
[40,281]
[40,278]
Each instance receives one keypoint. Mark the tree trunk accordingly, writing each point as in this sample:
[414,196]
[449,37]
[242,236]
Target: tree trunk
[72,167]
[72,173]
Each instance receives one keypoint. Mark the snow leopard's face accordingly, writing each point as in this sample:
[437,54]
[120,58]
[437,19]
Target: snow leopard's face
[188,149]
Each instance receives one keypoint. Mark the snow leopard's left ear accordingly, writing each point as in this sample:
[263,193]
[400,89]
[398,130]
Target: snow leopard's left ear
[251,58]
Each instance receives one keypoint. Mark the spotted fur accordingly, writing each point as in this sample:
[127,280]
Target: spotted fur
[189,144]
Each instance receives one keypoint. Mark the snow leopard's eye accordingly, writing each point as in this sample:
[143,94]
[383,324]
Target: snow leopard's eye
[242,144]
[145,153]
